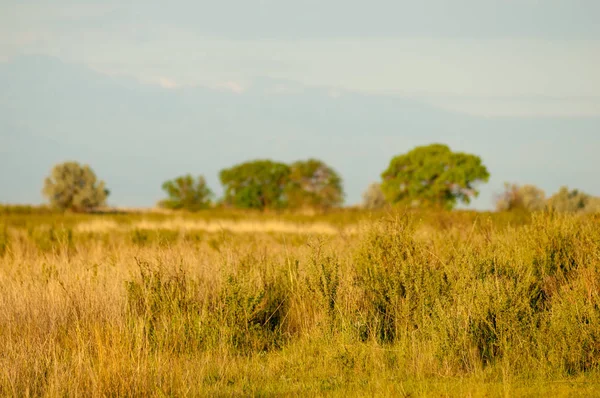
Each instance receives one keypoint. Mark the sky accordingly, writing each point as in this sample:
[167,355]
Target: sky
[524,64]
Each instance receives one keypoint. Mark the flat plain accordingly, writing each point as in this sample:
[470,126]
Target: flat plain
[351,303]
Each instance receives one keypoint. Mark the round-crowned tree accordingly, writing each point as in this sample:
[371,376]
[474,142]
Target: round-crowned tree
[313,184]
[186,193]
[258,184]
[72,186]
[433,176]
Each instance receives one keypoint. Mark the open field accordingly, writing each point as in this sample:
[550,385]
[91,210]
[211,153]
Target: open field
[350,303]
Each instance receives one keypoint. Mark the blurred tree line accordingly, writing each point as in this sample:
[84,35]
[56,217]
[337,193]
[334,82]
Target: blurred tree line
[530,198]
[431,176]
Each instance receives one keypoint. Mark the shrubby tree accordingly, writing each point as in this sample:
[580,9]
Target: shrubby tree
[433,176]
[313,184]
[373,197]
[521,197]
[72,186]
[186,193]
[573,201]
[258,184]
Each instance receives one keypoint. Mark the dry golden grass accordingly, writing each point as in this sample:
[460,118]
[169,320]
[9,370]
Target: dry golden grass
[397,308]
[215,225]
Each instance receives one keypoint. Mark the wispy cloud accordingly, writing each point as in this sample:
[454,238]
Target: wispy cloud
[520,106]
[531,49]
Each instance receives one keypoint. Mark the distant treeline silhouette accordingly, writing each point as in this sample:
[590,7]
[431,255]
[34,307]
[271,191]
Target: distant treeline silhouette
[431,176]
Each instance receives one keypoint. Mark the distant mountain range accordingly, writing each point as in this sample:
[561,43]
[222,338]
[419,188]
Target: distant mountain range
[136,136]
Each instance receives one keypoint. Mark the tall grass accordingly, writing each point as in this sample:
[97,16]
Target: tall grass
[408,305]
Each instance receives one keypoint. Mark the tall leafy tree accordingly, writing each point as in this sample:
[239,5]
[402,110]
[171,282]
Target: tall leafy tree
[313,184]
[258,184]
[187,193]
[433,175]
[72,186]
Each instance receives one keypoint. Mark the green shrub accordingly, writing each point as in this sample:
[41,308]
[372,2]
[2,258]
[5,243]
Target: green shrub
[392,272]
[187,314]
[52,238]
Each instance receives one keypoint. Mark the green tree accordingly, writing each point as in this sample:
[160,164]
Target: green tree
[313,184]
[258,184]
[433,176]
[521,197]
[373,197]
[72,186]
[186,193]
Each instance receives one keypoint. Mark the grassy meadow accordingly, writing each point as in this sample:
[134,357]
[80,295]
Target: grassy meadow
[344,304]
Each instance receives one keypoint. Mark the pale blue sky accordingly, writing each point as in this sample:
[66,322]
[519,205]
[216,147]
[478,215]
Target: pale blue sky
[487,57]
[518,63]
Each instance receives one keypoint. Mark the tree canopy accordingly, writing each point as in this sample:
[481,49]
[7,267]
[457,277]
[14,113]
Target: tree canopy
[433,175]
[72,186]
[187,193]
[258,184]
[313,184]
